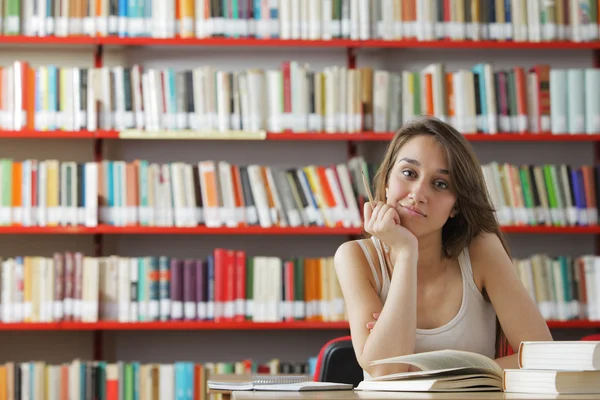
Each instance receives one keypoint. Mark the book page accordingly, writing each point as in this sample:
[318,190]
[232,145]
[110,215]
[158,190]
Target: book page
[444,359]
[441,374]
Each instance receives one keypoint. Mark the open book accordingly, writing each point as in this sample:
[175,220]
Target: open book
[286,383]
[443,370]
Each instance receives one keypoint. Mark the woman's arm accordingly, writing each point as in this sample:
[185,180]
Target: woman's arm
[395,331]
[518,314]
[511,361]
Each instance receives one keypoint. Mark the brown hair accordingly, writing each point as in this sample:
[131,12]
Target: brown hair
[475,210]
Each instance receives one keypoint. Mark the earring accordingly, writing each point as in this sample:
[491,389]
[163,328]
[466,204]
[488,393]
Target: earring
[386,193]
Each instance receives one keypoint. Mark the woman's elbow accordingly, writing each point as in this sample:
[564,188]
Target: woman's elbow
[381,369]
[386,369]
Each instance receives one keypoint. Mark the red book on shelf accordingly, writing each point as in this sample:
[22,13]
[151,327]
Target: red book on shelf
[240,286]
[229,286]
[219,283]
[289,290]
[542,76]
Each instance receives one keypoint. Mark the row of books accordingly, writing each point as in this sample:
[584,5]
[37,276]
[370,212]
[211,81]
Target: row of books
[524,20]
[230,285]
[223,194]
[227,285]
[204,98]
[563,287]
[84,379]
[51,193]
[539,99]
[548,194]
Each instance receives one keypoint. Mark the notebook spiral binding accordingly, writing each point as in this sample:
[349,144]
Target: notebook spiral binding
[263,379]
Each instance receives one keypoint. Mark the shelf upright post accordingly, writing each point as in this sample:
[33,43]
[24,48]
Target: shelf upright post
[98,237]
[350,144]
[596,58]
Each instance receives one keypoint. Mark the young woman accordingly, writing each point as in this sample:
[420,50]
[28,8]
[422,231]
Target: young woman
[435,273]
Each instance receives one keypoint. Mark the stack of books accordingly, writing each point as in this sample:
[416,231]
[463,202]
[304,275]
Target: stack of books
[545,367]
[567,367]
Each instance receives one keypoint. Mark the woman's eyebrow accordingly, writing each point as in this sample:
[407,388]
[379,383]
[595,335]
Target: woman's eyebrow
[418,164]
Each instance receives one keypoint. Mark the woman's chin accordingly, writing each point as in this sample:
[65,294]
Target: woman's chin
[411,226]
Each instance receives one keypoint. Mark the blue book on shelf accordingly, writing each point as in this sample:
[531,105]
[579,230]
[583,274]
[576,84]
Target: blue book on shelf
[136,380]
[478,69]
[189,380]
[180,381]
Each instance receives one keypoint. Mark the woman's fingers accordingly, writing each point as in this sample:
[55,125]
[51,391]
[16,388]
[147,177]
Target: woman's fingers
[376,211]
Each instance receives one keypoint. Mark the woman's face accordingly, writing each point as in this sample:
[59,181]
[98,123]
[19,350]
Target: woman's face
[419,186]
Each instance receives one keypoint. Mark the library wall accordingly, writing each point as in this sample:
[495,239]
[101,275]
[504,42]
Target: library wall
[215,346]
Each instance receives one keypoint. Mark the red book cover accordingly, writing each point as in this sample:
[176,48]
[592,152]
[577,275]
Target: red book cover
[287,94]
[112,383]
[543,93]
[240,286]
[229,286]
[219,283]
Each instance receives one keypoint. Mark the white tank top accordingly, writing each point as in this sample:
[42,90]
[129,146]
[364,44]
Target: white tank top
[473,328]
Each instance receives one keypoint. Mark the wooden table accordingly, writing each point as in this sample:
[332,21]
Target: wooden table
[356,395]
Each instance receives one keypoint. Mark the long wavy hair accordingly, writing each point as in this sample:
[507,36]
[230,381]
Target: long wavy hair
[475,212]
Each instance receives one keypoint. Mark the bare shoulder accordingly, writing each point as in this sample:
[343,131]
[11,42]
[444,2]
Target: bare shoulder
[488,256]
[350,259]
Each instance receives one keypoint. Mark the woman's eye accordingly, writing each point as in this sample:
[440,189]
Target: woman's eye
[441,185]
[408,172]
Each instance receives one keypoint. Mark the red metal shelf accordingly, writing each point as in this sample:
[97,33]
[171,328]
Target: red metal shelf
[472,137]
[156,230]
[479,44]
[325,136]
[225,42]
[595,229]
[253,42]
[531,137]
[112,134]
[32,134]
[211,325]
[246,230]
[311,136]
[251,230]
[573,324]
[172,326]
[47,230]
[68,40]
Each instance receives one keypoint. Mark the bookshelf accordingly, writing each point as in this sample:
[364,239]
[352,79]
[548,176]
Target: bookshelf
[124,339]
[286,136]
[252,230]
[303,43]
[342,327]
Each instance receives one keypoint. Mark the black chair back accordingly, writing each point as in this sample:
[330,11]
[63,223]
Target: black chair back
[339,364]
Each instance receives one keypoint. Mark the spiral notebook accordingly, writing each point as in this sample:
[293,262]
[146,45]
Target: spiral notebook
[285,383]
